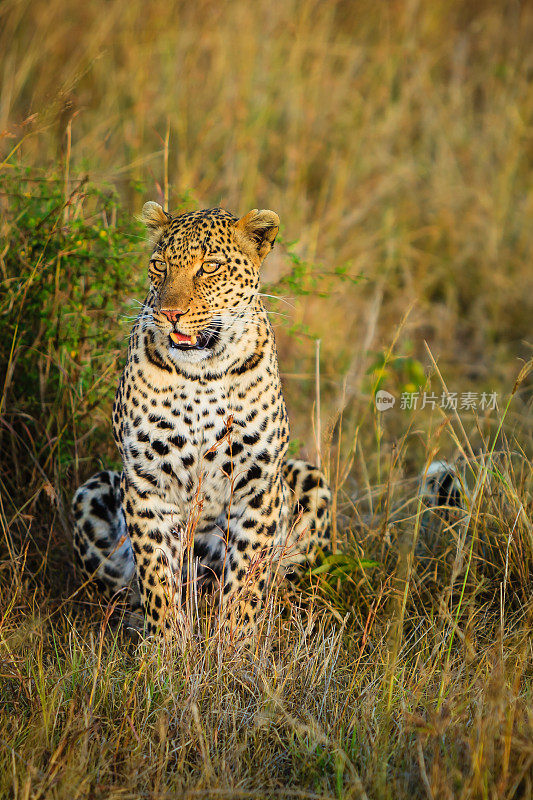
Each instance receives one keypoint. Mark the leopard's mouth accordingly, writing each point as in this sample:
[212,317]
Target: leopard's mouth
[203,340]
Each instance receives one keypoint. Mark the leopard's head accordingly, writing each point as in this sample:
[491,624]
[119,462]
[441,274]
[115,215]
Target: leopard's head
[204,270]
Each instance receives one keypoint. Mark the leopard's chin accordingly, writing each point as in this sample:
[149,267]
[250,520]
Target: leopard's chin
[204,340]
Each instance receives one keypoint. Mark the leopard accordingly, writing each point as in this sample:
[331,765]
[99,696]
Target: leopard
[207,494]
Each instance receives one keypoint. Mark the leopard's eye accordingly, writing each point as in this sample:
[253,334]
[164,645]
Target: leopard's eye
[208,268]
[157,269]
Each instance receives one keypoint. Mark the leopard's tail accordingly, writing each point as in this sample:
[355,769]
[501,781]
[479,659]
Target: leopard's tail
[101,541]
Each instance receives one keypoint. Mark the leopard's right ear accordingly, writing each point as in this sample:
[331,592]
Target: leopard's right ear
[155,219]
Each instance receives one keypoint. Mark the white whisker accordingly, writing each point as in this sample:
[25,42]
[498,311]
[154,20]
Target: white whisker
[277,297]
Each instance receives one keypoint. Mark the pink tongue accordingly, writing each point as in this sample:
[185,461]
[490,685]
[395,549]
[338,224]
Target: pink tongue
[180,338]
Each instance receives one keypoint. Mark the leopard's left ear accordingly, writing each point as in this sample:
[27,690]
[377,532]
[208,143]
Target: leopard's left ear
[260,229]
[155,219]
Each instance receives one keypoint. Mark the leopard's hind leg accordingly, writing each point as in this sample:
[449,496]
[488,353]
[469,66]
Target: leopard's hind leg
[101,542]
[310,525]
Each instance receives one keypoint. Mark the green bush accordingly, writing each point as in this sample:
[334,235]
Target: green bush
[70,261]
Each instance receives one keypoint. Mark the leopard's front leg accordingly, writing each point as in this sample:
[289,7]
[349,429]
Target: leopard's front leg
[155,528]
[254,543]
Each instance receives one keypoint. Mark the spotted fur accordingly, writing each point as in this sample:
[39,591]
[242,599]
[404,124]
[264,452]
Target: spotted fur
[201,426]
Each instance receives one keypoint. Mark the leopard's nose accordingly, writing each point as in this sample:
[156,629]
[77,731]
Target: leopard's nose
[172,314]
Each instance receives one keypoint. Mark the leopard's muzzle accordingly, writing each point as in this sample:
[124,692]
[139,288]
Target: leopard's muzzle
[204,340]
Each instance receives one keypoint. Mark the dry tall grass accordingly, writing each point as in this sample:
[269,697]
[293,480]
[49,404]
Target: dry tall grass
[394,140]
